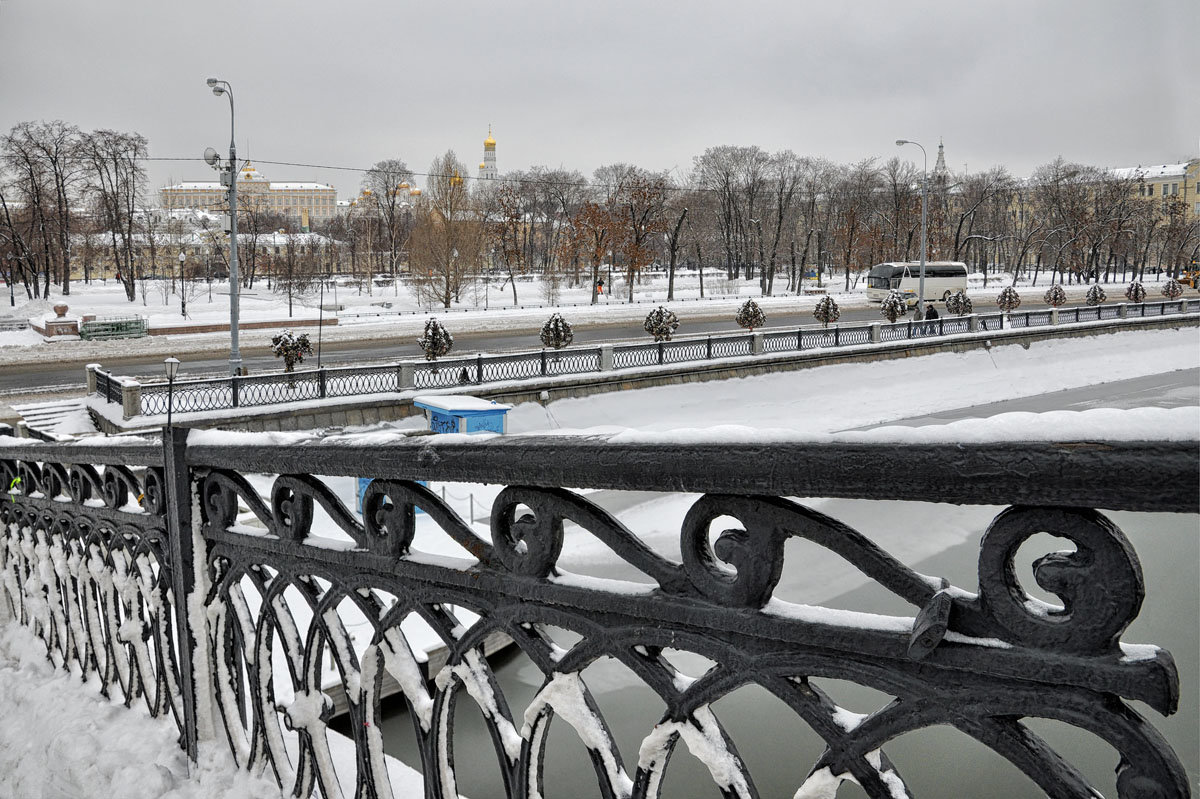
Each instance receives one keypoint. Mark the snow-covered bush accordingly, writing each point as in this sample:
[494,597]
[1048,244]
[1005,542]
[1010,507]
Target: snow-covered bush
[557,332]
[959,303]
[1135,292]
[1008,300]
[750,316]
[661,324]
[291,348]
[827,311]
[1096,295]
[893,306]
[1055,296]
[437,340]
[1172,289]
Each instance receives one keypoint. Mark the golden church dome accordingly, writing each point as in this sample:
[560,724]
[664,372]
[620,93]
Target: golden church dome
[482,165]
[414,192]
[489,143]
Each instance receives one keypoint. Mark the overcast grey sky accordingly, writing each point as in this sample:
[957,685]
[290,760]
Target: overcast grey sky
[578,84]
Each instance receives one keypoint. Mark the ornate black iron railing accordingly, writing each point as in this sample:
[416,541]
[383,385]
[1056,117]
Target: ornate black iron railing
[314,384]
[186,580]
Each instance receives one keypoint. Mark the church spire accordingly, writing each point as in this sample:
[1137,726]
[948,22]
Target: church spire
[939,169]
[487,167]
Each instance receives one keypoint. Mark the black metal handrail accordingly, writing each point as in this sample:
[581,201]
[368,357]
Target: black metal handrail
[235,608]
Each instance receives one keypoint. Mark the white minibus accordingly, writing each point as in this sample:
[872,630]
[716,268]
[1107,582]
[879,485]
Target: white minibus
[942,278]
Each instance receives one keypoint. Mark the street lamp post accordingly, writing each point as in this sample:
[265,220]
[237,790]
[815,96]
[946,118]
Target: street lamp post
[924,201]
[12,297]
[220,87]
[172,365]
[182,292]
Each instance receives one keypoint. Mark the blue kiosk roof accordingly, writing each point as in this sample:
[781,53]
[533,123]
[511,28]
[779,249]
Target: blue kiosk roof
[460,405]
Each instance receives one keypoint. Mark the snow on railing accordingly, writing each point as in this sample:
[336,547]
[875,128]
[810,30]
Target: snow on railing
[217,580]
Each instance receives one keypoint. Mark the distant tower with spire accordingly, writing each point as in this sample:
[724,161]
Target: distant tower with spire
[487,167]
[940,172]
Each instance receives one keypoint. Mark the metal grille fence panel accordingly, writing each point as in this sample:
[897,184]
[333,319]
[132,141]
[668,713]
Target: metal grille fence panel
[353,381]
[683,351]
[444,374]
[635,355]
[189,396]
[781,341]
[730,346]
[857,334]
[515,367]
[573,361]
[278,388]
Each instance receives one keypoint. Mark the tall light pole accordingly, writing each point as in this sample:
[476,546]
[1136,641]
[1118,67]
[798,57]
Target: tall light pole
[924,202]
[220,87]
[172,366]
[182,292]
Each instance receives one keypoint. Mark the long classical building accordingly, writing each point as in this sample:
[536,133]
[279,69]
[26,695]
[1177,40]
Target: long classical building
[254,190]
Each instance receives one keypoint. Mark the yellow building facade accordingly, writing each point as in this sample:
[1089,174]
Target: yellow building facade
[295,199]
[1168,181]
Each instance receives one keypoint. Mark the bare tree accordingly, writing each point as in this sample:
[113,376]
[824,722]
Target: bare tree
[447,237]
[387,186]
[116,179]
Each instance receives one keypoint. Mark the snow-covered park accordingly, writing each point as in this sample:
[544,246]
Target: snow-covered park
[60,738]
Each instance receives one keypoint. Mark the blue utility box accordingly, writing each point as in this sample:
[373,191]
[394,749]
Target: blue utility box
[461,414]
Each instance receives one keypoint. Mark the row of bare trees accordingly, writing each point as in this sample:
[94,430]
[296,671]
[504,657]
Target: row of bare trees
[741,212]
[775,217]
[57,181]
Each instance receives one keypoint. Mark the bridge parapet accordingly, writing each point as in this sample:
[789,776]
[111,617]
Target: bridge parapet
[279,577]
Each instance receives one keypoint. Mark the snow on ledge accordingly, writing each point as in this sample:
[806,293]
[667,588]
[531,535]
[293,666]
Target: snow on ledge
[1095,424]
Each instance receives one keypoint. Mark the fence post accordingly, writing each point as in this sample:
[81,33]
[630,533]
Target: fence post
[1122,311]
[799,338]
[837,335]
[660,353]
[90,372]
[235,383]
[131,398]
[973,323]
[181,541]
[756,343]
[606,357]
[407,378]
[942,326]
[321,382]
[876,336]
[543,361]
[708,349]
[910,328]
[1054,316]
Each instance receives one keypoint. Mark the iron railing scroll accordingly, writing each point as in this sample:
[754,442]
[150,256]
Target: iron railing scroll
[221,582]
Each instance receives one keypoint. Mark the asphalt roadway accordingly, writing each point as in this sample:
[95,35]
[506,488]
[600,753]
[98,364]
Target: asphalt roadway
[26,377]
[67,375]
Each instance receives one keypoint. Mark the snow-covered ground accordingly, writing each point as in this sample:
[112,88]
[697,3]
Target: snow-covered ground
[59,738]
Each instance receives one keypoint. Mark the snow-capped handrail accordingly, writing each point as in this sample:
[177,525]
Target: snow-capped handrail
[241,608]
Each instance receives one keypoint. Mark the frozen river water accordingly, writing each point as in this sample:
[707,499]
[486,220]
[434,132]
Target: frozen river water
[935,539]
